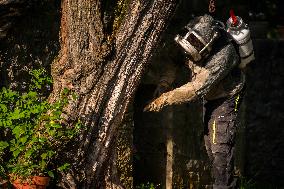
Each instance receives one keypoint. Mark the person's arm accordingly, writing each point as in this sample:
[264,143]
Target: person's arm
[217,67]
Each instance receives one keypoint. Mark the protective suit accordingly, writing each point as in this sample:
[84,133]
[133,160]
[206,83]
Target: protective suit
[217,80]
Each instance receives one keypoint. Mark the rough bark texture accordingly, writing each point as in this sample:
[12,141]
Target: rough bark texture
[103,69]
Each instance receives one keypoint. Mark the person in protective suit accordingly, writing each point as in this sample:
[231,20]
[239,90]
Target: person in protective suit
[217,80]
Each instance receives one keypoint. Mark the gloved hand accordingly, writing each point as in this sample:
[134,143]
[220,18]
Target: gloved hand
[163,87]
[157,104]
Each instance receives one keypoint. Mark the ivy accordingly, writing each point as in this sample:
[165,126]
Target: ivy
[34,129]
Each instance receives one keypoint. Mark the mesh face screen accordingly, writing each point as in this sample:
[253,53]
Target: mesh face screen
[194,41]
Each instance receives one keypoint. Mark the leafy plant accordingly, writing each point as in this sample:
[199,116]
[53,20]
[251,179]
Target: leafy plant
[34,129]
[147,186]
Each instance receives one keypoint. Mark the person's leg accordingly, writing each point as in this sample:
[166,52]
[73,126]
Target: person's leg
[207,112]
[219,139]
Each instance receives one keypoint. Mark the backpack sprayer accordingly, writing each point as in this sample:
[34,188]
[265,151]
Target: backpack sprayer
[197,48]
[239,31]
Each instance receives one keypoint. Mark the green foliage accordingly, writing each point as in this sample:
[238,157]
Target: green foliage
[39,79]
[115,11]
[119,12]
[34,129]
[147,186]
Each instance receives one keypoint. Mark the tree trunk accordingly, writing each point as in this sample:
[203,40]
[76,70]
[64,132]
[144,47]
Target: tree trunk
[103,67]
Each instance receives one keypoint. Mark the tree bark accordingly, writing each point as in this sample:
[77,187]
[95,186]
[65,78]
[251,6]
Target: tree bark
[103,68]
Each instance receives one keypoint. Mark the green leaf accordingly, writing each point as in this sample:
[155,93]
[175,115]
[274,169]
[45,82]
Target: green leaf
[10,94]
[15,114]
[4,108]
[3,145]
[32,94]
[41,139]
[50,153]
[29,153]
[35,110]
[51,132]
[63,167]
[78,125]
[57,113]
[2,123]
[65,91]
[43,165]
[23,139]
[51,174]
[16,153]
[74,96]
[18,131]
[9,123]
[56,125]
[44,155]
